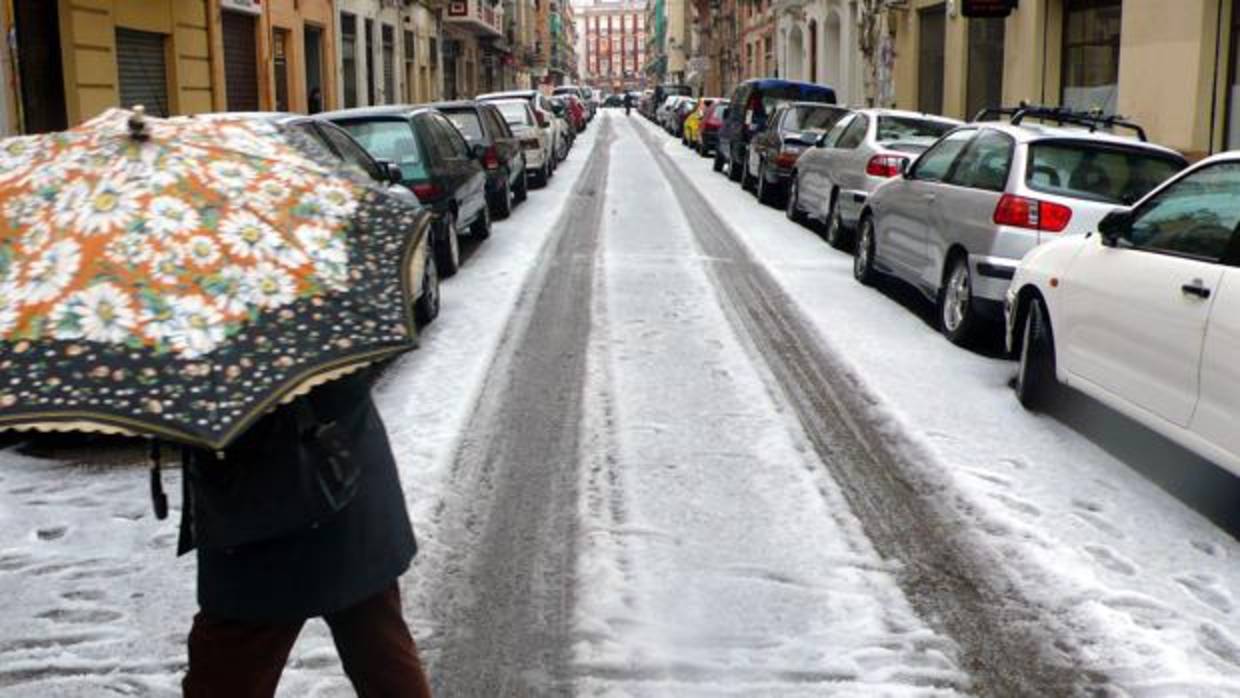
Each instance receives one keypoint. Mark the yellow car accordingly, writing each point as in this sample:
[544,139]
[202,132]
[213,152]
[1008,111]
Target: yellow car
[692,135]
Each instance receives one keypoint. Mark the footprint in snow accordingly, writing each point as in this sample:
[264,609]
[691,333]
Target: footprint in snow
[1206,547]
[1016,504]
[1205,588]
[81,616]
[1216,641]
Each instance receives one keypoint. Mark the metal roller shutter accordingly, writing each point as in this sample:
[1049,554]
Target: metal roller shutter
[141,66]
[240,61]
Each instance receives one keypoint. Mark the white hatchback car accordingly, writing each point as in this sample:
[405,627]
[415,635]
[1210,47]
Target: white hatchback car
[1144,315]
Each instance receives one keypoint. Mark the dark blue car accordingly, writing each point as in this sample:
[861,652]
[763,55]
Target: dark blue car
[753,102]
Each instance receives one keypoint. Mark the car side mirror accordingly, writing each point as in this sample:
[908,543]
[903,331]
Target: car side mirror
[392,170]
[477,151]
[1115,225]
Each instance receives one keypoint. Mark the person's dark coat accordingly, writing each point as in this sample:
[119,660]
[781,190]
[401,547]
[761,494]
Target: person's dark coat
[256,574]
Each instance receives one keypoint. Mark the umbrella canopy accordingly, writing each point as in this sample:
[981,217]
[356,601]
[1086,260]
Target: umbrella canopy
[178,278]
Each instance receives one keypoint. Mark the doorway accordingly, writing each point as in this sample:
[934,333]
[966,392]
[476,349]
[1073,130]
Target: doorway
[932,34]
[314,68]
[279,60]
[39,67]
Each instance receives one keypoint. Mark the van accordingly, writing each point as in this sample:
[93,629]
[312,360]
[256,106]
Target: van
[753,102]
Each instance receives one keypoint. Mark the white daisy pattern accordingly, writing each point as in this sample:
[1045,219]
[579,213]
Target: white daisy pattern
[248,236]
[269,286]
[110,206]
[50,273]
[167,215]
[196,328]
[100,313]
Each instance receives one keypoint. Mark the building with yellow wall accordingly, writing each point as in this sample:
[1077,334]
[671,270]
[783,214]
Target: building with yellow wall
[1169,65]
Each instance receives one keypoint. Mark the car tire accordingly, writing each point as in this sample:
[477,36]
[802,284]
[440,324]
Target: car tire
[734,170]
[863,264]
[792,204]
[837,236]
[480,229]
[503,202]
[523,187]
[747,181]
[448,247]
[957,318]
[426,307]
[717,166]
[1035,380]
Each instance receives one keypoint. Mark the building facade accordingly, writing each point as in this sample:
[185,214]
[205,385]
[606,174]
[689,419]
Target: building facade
[469,58]
[816,41]
[1173,71]
[668,41]
[758,39]
[612,44]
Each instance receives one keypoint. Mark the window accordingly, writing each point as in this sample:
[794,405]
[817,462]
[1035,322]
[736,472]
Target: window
[279,59]
[467,123]
[932,33]
[391,140]
[1090,170]
[369,55]
[854,135]
[1091,54]
[812,118]
[1196,216]
[388,35]
[352,153]
[986,162]
[410,65]
[985,86]
[348,57]
[934,164]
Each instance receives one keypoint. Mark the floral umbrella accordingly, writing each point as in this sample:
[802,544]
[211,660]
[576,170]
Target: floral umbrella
[177,278]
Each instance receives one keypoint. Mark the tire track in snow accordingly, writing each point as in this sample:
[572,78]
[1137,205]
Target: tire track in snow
[1005,644]
[508,619]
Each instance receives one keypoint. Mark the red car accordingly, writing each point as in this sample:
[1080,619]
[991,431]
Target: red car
[711,124]
[576,112]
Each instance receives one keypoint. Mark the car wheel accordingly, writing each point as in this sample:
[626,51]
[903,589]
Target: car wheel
[503,201]
[863,263]
[480,229]
[837,237]
[792,207]
[734,170]
[523,186]
[448,247]
[747,180]
[1036,381]
[717,166]
[426,307]
[956,313]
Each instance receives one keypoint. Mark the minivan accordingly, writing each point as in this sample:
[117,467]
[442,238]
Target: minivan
[752,103]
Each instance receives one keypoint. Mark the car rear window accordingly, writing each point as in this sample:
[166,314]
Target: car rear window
[1101,172]
[720,110]
[468,123]
[393,141]
[903,128]
[515,113]
[812,118]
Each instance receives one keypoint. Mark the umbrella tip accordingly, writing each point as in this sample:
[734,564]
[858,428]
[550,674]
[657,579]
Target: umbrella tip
[137,124]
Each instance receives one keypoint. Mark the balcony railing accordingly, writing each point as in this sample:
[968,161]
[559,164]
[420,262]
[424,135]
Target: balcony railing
[479,15]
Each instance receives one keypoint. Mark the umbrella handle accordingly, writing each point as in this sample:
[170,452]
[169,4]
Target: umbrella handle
[158,498]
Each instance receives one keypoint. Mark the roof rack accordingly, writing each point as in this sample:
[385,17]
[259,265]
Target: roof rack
[1093,119]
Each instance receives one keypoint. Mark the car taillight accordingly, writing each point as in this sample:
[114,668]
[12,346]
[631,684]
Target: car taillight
[884,166]
[542,119]
[1023,212]
[530,143]
[787,157]
[426,191]
[490,158]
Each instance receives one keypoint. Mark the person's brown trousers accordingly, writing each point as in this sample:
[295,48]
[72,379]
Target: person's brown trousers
[233,659]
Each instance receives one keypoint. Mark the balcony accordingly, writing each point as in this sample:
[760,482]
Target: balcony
[479,16]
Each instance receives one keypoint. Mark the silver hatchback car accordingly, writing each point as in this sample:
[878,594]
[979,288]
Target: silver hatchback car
[956,222]
[832,181]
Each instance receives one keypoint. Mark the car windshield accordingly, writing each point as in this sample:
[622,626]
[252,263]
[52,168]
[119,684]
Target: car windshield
[514,113]
[812,118]
[392,141]
[1102,172]
[903,128]
[468,123]
[720,109]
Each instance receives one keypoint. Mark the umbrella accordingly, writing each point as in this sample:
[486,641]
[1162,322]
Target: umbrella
[178,278]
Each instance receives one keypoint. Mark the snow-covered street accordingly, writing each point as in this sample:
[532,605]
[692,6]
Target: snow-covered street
[661,443]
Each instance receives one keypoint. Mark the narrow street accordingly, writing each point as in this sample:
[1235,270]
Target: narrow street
[660,443]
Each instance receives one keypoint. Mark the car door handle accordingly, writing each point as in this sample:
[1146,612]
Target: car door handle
[1196,288]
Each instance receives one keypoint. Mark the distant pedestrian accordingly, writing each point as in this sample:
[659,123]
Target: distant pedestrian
[628,102]
[316,100]
[303,517]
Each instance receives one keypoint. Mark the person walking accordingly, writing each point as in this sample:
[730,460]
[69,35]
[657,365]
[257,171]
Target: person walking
[628,102]
[302,517]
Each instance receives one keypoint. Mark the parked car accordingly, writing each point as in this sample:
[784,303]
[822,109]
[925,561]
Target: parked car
[708,134]
[535,141]
[559,110]
[676,120]
[752,103]
[833,181]
[1144,315]
[578,114]
[665,110]
[957,223]
[544,113]
[330,141]
[503,158]
[660,94]
[613,101]
[693,122]
[794,127]
[580,93]
[435,163]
